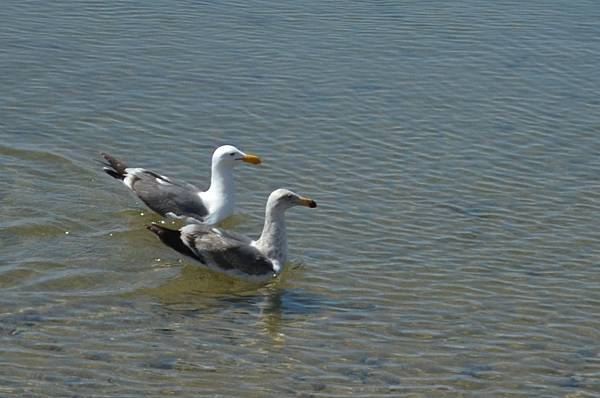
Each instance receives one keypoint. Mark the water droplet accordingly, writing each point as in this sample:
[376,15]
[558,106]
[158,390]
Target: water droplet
[66,232]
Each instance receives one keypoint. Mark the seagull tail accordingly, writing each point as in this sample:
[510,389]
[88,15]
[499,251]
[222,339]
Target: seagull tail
[114,167]
[171,238]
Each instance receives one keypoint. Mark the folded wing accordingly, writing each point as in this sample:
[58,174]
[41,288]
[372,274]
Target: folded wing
[225,251]
[168,197]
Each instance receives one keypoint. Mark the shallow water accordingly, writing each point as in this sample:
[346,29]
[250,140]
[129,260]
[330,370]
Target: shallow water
[452,148]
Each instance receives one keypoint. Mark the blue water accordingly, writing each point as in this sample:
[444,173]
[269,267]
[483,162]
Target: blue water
[452,148]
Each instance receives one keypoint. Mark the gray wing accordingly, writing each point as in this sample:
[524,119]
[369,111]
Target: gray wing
[227,234]
[225,250]
[165,195]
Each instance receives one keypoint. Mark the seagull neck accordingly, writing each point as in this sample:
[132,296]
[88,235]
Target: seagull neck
[273,239]
[221,180]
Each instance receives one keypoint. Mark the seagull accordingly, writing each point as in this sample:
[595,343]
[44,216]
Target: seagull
[180,200]
[234,254]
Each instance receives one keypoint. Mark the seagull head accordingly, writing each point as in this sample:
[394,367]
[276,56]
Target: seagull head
[231,156]
[284,198]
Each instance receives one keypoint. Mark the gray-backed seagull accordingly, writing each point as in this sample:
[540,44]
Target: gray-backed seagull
[178,199]
[234,254]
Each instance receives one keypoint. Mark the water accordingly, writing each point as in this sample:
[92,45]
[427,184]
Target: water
[452,148]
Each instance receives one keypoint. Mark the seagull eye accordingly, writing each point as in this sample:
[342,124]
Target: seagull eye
[232,153]
[289,196]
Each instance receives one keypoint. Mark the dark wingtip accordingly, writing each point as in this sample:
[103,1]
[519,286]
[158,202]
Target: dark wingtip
[171,238]
[113,173]
[114,163]
[312,204]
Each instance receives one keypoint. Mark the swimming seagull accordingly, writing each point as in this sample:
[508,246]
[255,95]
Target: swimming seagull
[234,254]
[178,199]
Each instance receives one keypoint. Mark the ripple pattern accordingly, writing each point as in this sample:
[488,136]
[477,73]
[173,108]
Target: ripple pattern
[451,146]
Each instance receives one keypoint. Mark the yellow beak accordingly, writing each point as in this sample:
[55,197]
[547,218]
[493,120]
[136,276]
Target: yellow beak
[308,202]
[251,159]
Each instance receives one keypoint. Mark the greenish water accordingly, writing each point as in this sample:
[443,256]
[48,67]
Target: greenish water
[452,148]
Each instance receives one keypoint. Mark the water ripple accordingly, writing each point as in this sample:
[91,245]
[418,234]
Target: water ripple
[452,149]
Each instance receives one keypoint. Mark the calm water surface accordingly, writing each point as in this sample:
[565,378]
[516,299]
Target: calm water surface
[453,148]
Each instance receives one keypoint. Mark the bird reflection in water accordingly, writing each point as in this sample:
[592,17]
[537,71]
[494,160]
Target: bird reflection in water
[197,292]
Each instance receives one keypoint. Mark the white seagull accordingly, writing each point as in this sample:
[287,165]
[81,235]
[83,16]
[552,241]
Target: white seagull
[234,254]
[180,200]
